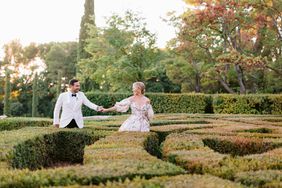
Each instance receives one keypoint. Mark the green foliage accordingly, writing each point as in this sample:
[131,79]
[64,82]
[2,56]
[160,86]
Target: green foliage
[188,181]
[60,61]
[115,157]
[276,104]
[197,103]
[121,53]
[162,103]
[247,104]
[129,159]
[18,123]
[174,103]
[261,178]
[87,19]
[35,96]
[259,130]
[220,34]
[47,150]
[7,107]
[17,109]
[238,146]
[226,151]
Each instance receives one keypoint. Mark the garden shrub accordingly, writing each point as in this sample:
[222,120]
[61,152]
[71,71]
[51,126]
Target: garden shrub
[238,145]
[20,122]
[49,149]
[197,103]
[247,104]
[260,178]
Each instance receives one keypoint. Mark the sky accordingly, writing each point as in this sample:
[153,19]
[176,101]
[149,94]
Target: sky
[43,21]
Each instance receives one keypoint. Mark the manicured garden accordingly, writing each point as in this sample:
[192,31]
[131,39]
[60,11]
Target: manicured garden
[182,150]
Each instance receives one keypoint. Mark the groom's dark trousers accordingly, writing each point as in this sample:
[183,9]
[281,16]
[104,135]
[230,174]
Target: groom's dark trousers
[72,124]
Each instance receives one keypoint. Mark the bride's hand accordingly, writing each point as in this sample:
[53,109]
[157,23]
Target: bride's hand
[103,110]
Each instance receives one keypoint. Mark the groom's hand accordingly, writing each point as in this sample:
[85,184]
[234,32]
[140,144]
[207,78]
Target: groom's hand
[100,109]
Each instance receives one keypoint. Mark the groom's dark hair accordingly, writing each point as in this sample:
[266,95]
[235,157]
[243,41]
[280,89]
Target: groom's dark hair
[72,81]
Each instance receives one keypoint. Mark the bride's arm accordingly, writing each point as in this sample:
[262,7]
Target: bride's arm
[121,106]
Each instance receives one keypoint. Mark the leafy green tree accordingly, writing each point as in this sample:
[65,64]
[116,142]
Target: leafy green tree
[243,36]
[61,64]
[121,53]
[88,19]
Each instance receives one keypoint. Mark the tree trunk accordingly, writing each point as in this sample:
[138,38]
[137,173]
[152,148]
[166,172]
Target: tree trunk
[7,108]
[224,84]
[240,78]
[35,96]
[197,83]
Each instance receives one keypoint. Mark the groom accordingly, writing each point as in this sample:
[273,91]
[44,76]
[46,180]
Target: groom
[71,102]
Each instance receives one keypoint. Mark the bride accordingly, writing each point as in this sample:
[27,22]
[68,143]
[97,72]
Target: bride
[141,110]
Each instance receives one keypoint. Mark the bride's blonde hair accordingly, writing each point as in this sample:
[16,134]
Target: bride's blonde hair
[140,85]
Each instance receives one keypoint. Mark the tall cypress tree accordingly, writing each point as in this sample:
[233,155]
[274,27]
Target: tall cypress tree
[35,96]
[7,108]
[87,19]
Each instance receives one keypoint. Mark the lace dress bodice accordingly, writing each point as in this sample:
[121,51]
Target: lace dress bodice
[140,115]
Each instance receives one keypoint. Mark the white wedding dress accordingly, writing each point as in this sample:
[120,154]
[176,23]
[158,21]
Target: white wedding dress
[140,117]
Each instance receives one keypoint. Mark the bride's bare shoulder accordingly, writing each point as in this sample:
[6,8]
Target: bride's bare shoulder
[147,100]
[131,98]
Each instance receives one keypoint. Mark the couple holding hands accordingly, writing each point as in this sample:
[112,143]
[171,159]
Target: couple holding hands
[71,102]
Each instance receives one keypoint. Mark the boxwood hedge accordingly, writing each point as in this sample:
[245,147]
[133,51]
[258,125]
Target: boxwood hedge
[198,103]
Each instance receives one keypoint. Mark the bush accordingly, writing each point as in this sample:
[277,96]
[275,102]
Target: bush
[276,104]
[187,181]
[47,150]
[18,123]
[189,150]
[175,103]
[247,104]
[258,130]
[17,109]
[197,103]
[116,157]
[261,178]
[238,145]
[161,102]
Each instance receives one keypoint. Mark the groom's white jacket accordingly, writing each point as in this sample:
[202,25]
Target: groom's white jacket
[71,108]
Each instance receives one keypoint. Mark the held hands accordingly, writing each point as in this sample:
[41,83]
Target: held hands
[100,109]
[104,110]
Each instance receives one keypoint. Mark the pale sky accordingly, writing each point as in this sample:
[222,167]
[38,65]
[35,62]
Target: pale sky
[59,20]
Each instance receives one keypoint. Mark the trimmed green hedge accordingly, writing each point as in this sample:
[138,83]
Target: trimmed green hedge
[115,157]
[162,103]
[238,145]
[47,150]
[191,152]
[187,181]
[260,178]
[18,123]
[197,103]
[247,104]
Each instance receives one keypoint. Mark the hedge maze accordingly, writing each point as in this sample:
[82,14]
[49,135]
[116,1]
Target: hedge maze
[182,150]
